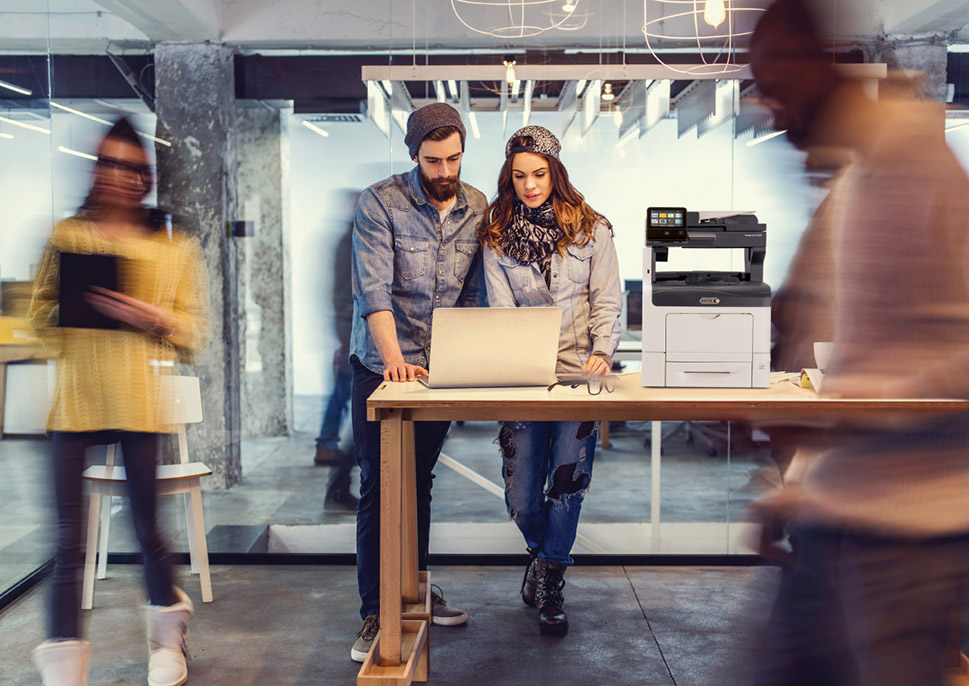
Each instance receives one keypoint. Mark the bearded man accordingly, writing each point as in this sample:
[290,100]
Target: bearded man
[415,248]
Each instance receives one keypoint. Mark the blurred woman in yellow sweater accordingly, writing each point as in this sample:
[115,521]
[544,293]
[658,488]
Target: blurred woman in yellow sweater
[108,388]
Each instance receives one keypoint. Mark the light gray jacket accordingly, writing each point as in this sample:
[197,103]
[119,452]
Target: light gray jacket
[585,284]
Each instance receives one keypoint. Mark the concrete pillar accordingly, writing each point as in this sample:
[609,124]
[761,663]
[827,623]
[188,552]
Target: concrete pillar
[925,53]
[262,191]
[195,104]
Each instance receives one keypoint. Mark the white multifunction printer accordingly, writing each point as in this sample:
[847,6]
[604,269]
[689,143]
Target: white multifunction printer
[705,329]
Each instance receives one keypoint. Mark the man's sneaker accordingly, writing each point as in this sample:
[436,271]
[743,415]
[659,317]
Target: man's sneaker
[361,647]
[444,614]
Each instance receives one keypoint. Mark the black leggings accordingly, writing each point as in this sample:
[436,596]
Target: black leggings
[140,451]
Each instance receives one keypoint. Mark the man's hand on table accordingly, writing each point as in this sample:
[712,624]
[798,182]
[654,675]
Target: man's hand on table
[402,371]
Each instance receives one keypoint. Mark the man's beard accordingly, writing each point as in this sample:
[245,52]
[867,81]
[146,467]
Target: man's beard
[439,190]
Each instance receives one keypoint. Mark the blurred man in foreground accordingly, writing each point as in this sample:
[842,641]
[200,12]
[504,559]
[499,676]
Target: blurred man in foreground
[880,518]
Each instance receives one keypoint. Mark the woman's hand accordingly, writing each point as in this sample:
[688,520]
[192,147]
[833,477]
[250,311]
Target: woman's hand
[596,365]
[138,313]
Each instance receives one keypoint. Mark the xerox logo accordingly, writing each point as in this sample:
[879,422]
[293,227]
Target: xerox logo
[709,301]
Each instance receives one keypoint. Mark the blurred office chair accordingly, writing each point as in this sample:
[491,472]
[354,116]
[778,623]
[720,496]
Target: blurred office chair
[182,402]
[710,437]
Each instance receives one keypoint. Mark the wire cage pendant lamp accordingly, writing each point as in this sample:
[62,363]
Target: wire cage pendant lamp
[713,27]
[513,18]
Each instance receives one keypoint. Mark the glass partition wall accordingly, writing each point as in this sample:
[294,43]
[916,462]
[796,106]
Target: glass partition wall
[26,214]
[291,173]
[710,471]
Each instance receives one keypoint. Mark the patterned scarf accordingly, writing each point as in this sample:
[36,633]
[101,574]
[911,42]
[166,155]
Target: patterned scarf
[533,235]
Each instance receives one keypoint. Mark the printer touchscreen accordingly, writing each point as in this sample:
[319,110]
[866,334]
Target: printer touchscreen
[666,224]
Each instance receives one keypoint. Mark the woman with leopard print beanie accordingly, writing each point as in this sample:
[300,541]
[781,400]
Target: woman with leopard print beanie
[545,247]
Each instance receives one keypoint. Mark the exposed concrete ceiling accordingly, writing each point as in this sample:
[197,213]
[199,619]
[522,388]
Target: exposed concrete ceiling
[89,26]
[924,16]
[169,20]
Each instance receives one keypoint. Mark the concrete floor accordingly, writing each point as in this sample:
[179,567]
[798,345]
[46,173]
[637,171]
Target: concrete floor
[282,625]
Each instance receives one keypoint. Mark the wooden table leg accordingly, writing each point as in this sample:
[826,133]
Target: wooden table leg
[400,654]
[415,585]
[410,591]
[604,434]
[391,458]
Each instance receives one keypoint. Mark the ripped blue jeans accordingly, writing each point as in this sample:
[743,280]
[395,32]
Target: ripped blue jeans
[547,467]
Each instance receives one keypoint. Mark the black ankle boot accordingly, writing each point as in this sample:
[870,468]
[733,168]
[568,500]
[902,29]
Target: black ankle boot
[530,581]
[549,598]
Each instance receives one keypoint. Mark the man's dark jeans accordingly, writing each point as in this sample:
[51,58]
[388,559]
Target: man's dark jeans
[428,439]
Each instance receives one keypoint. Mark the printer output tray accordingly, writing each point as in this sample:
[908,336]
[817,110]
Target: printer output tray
[736,294]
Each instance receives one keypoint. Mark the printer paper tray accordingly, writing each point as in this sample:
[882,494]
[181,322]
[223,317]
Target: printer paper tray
[708,374]
[674,356]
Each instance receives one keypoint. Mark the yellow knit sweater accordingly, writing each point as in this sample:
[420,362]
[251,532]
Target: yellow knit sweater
[109,379]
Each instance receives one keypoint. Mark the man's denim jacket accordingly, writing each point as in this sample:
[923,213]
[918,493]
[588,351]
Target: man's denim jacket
[403,263]
[584,283]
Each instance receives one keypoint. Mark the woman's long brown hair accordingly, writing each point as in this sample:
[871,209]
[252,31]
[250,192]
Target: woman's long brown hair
[572,212]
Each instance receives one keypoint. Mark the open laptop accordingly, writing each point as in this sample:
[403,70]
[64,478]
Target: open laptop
[480,347]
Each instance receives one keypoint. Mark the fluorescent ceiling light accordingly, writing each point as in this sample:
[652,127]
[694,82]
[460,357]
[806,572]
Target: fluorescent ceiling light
[313,127]
[515,87]
[580,84]
[452,87]
[439,91]
[79,113]
[957,126]
[474,125]
[153,138]
[762,139]
[77,153]
[25,126]
[15,89]
[630,135]
[6,135]
[99,120]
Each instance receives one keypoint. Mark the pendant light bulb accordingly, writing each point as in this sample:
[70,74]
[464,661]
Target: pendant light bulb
[714,12]
[607,93]
[510,77]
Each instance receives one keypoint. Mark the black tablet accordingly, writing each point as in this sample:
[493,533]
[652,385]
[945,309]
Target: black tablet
[78,273]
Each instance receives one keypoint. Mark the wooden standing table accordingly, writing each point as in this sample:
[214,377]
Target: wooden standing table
[401,651]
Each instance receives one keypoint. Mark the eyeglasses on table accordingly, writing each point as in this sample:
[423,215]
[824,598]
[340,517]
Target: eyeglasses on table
[594,384]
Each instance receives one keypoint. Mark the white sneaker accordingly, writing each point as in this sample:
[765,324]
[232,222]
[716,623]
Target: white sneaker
[168,642]
[63,663]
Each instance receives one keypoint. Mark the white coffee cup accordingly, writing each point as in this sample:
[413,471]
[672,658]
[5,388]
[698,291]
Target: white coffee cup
[822,354]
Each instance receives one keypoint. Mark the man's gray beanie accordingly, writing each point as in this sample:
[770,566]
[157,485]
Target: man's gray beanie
[421,122]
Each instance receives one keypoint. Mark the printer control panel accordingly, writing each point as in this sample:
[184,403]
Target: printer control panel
[666,225]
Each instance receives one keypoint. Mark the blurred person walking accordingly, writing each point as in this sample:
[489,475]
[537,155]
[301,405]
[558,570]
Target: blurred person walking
[108,390]
[879,518]
[329,451]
